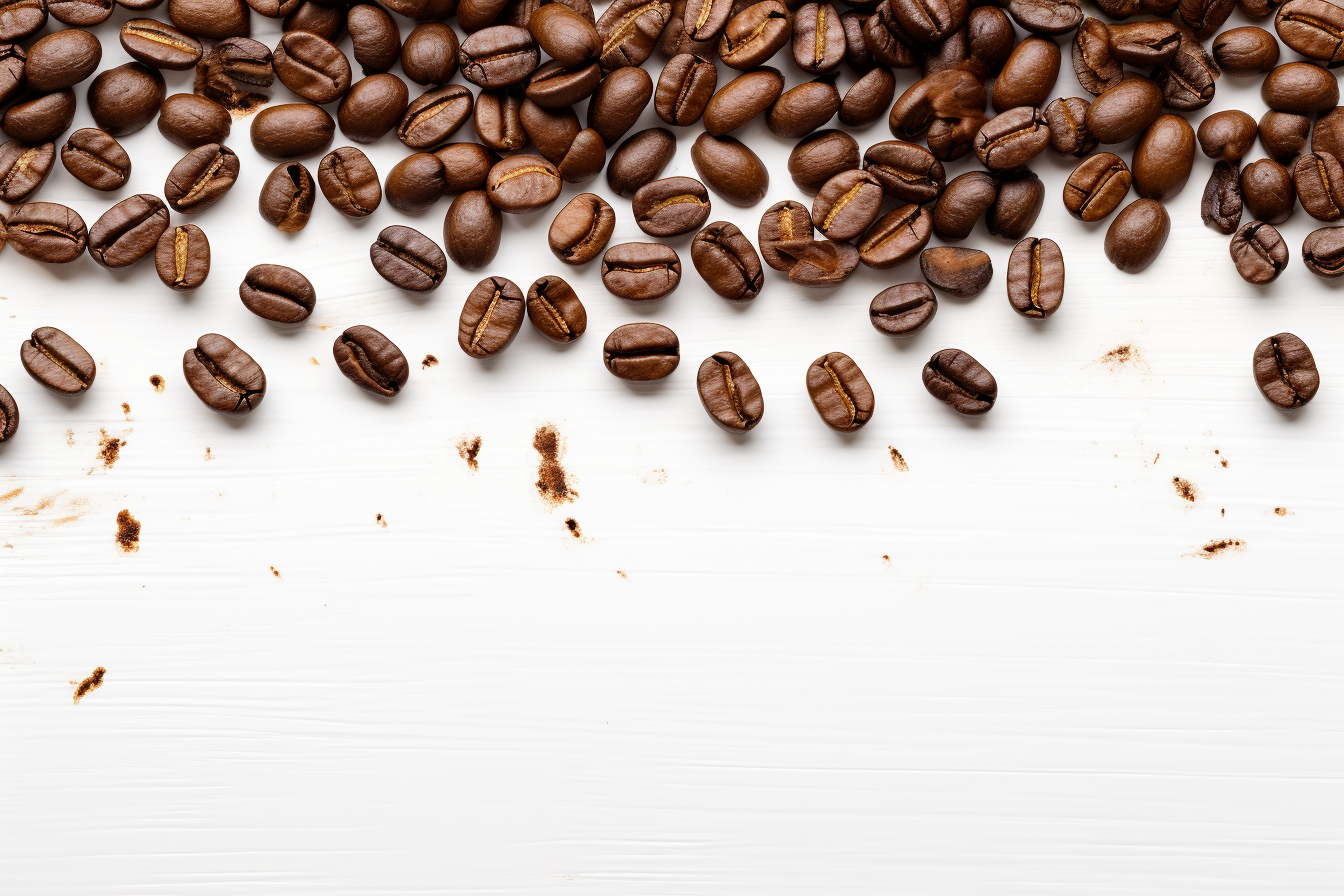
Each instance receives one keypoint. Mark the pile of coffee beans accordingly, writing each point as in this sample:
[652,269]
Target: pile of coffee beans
[983,82]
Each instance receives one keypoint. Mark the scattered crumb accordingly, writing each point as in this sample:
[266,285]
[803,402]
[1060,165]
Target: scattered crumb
[126,409]
[430,361]
[208,455]
[275,572]
[11,495]
[886,560]
[1282,511]
[323,327]
[1155,458]
[1121,355]
[1221,458]
[897,461]
[657,477]
[1220,546]
[109,449]
[382,522]
[128,532]
[467,449]
[1223,512]
[313,361]
[552,480]
[1185,488]
[157,382]
[573,526]
[622,574]
[70,437]
[10,546]
[92,683]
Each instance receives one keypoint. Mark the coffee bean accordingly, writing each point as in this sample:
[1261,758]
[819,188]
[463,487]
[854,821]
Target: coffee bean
[582,228]
[755,34]
[47,232]
[1028,76]
[474,15]
[1259,253]
[1124,110]
[223,375]
[57,361]
[182,257]
[868,98]
[818,38]
[1227,135]
[277,293]
[964,201]
[820,264]
[731,169]
[1096,69]
[641,351]
[12,62]
[325,21]
[564,35]
[684,89]
[21,18]
[641,271]
[1096,187]
[523,183]
[840,392]
[1267,191]
[434,117]
[629,30]
[704,20]
[1036,278]
[42,119]
[1327,135]
[1018,204]
[497,120]
[491,317]
[227,73]
[1299,87]
[1312,28]
[962,272]
[785,226]
[804,108]
[886,39]
[555,310]
[1012,139]
[618,102]
[292,130]
[1285,371]
[415,183]
[553,131]
[498,56]
[472,230]
[821,156]
[1144,43]
[371,361]
[1319,182]
[1242,52]
[671,206]
[124,99]
[1323,252]
[1067,120]
[1221,206]
[1283,135]
[904,309]
[201,178]
[906,171]
[79,13]
[465,166]
[350,182]
[729,392]
[847,204]
[374,36]
[948,105]
[287,197]
[895,237]
[1137,235]
[374,105]
[1163,158]
[1188,81]
[62,59]
[311,66]
[190,120]
[640,159]
[553,86]
[24,169]
[210,19]
[9,415]
[961,382]
[727,262]
[429,54]
[128,231]
[742,99]
[584,159]
[408,259]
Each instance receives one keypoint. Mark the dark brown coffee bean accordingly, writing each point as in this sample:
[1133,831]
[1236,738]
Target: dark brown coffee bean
[42,119]
[618,102]
[755,34]
[818,38]
[904,309]
[742,99]
[989,41]
[1137,235]
[1267,191]
[12,61]
[228,73]
[553,86]
[472,230]
[929,22]
[684,89]
[1097,71]
[1313,28]
[704,20]
[371,361]
[948,106]
[731,169]
[962,272]
[47,232]
[641,352]
[629,30]
[124,99]
[1298,87]
[435,116]
[278,294]
[62,59]
[497,120]
[785,226]
[886,39]
[1319,181]
[465,166]
[474,15]
[1259,253]
[804,108]
[408,259]
[671,206]
[821,156]
[895,237]
[1221,205]
[316,18]
[1323,252]
[311,66]
[1018,204]
[729,392]
[1124,110]
[1067,120]
[292,130]
[210,19]
[9,415]
[287,197]
[1285,371]
[847,204]
[1163,158]
[961,382]
[868,98]
[1205,17]
[964,201]
[564,35]
[1012,139]
[375,38]
[429,54]
[128,231]
[1327,135]
[223,375]
[491,317]
[1036,278]
[1028,77]
[1144,44]
[415,183]
[1227,135]
[498,56]
[1096,187]
[1283,135]
[584,159]
[555,310]
[374,106]
[350,182]
[641,271]
[581,230]
[1247,51]
[24,169]
[190,120]
[21,18]
[182,257]
[840,392]
[1187,81]
[201,178]
[552,130]
[522,183]
[820,264]
[80,13]
[727,262]
[58,362]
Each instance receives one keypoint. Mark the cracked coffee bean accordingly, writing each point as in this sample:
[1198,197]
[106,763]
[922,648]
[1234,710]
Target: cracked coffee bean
[224,376]
[729,392]
[961,382]
[371,361]
[58,362]
[840,392]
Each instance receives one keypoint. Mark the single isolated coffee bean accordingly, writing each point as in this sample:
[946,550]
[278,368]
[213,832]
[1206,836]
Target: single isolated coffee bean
[9,415]
[821,156]
[671,206]
[277,293]
[785,228]
[729,168]
[962,272]
[429,53]
[640,159]
[57,361]
[24,169]
[182,257]
[415,183]
[581,230]
[727,261]
[472,230]
[641,352]
[641,271]
[311,66]
[1259,253]
[1299,87]
[729,392]
[350,182]
[555,310]
[895,237]
[840,392]
[128,231]
[1267,191]
[1285,371]
[1227,135]
[1319,181]
[961,382]
[1096,187]
[408,259]
[201,178]
[287,197]
[1137,235]
[374,105]
[190,120]
[522,183]
[124,99]
[964,201]
[820,264]
[371,361]
[223,375]
[904,309]
[292,130]
[1323,252]
[1036,278]
[160,45]
[1221,205]
[47,232]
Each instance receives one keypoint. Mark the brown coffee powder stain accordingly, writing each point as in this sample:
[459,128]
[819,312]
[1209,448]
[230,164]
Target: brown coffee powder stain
[313,361]
[382,522]
[886,560]
[11,495]
[128,532]
[70,438]
[621,573]
[43,504]
[1185,488]
[157,382]
[1121,355]
[92,683]
[1222,459]
[109,449]
[126,409]
[552,480]
[897,461]
[1156,457]
[1220,546]
[573,526]
[1282,511]
[430,361]
[468,447]
[275,572]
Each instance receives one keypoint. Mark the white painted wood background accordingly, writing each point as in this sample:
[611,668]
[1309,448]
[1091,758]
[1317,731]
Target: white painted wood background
[771,665]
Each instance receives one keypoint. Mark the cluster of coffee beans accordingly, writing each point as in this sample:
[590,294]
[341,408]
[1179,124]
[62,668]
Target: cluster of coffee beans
[532,61]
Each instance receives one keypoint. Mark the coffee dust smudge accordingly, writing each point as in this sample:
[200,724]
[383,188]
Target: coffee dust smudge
[11,495]
[1121,355]
[1185,488]
[157,382]
[128,532]
[1221,458]
[275,572]
[1282,511]
[1156,457]
[1220,546]
[382,522]
[897,461]
[468,447]
[208,455]
[552,480]
[314,362]
[1222,512]
[92,683]
[886,560]
[126,409]
[430,361]
[573,526]
[70,438]
[109,449]
[621,573]
[42,504]
[658,477]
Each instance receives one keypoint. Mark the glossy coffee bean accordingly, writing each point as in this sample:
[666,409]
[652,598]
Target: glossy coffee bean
[1259,253]
[435,116]
[727,262]
[311,66]
[1096,187]
[906,171]
[784,228]
[287,197]
[350,182]
[904,309]
[373,106]
[1144,44]
[1028,77]
[472,230]
[755,34]
[371,361]
[1323,252]
[1036,278]
[277,293]
[671,206]
[497,121]
[868,98]
[124,99]
[1012,139]
[47,232]
[1301,88]
[21,18]
[201,178]
[224,376]
[465,166]
[897,236]
[1020,198]
[1285,371]
[1188,81]
[408,259]
[886,40]
[821,156]
[1227,135]
[964,201]
[415,183]
[742,99]
[62,59]
[820,264]
[1124,110]
[1267,191]
[128,231]
[818,38]
[190,120]
[704,20]
[1137,235]
[553,131]
[581,230]
[429,54]
[1096,69]
[9,415]
[729,392]
[210,19]
[641,271]
[498,56]
[12,62]
[1067,119]
[1327,135]
[95,159]
[641,352]
[1318,179]
[640,159]
[555,310]
[618,102]
[23,169]
[684,89]
[291,131]
[962,272]
[1283,135]
[1242,52]
[58,362]
[847,204]
[182,257]
[584,159]
[629,30]
[840,392]
[522,183]
[802,109]
[1164,158]
[553,86]
[1312,28]
[948,106]
[961,382]
[1221,206]
[730,169]
[374,36]
[564,35]
[42,119]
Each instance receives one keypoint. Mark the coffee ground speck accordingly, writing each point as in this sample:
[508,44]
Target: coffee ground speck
[128,532]
[109,449]
[430,361]
[1185,488]
[552,480]
[92,683]
[897,461]
[468,447]
[573,526]
[157,382]
[1220,546]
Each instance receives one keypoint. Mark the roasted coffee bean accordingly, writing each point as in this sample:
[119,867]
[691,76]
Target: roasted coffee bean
[375,38]
[961,382]
[1313,28]
[1227,135]
[1097,70]
[311,66]
[1036,278]
[730,168]
[58,362]
[1144,44]
[1267,191]
[629,30]
[564,35]
[1123,9]
[374,106]
[201,178]
[287,197]
[210,19]
[1285,371]
[408,259]
[904,309]
[62,59]
[671,206]
[552,131]
[684,89]
[278,294]
[1028,77]
[964,201]
[79,13]
[727,262]
[47,232]
[1283,135]
[1124,110]
[585,158]
[755,34]
[371,361]
[1243,52]
[124,99]
[962,272]
[821,156]
[886,40]
[474,15]
[292,130]
[429,54]
[1298,87]
[553,86]
[350,182]
[582,228]
[1221,206]
[498,56]
[1163,158]
[729,392]
[12,61]
[818,38]
[128,231]
[948,105]
[868,98]
[472,230]
[182,257]
[840,392]
[802,109]
[24,169]
[21,18]
[465,166]
[555,310]
[415,183]
[190,120]
[618,102]
[1323,252]
[928,23]
[895,237]
[641,271]
[1050,17]
[784,226]
[42,119]
[1096,187]
[1319,181]
[704,20]
[223,375]
[491,317]
[1187,81]
[1205,17]
[227,73]
[820,264]
[641,352]
[1018,204]
[1067,120]
[435,116]
[847,204]
[989,41]
[742,99]
[9,415]
[1137,235]
[1259,253]
[522,183]
[675,38]
[1012,139]
[1327,135]
[316,18]
[497,122]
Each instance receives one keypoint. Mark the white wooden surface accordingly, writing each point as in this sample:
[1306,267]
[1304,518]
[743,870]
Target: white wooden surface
[772,665]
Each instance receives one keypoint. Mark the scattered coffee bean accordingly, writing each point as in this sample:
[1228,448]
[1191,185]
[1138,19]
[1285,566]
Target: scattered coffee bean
[727,262]
[1242,52]
[904,309]
[1259,253]
[962,272]
[684,89]
[1318,179]
[964,201]
[1067,119]
[223,375]
[895,237]
[311,66]
[1221,206]
[840,392]
[742,99]
[641,351]
[1124,111]
[641,270]
[465,166]
[1285,371]
[277,293]
[1267,191]
[57,361]
[907,172]
[375,105]
[847,204]
[639,160]
[729,392]
[41,119]
[429,53]
[124,99]
[1020,198]
[498,56]
[371,361]
[1036,278]
[374,37]
[1323,252]
[182,257]
[671,206]
[1227,135]
[128,231]
[201,178]
[1301,88]
[618,102]
[24,169]
[287,197]
[350,182]
[802,109]
[291,130]
[415,183]
[95,159]
[408,259]
[47,232]
[472,230]
[730,168]
[555,310]
[497,122]
[1096,187]
[821,156]
[868,98]
[1283,134]
[1137,235]
[1163,159]
[522,183]
[784,226]
[581,230]
[820,264]
[9,415]
[961,382]
[435,116]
